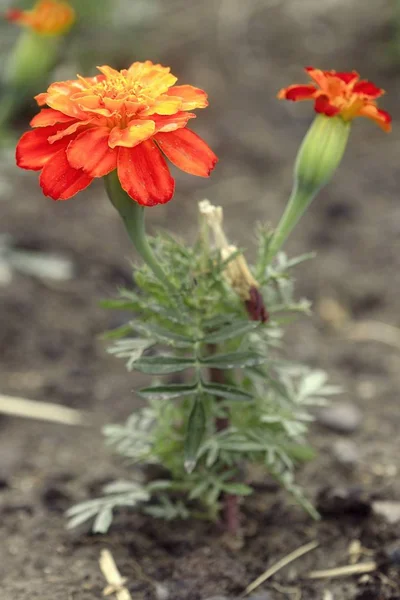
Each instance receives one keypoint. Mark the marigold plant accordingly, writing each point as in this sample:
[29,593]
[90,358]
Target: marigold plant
[200,312]
[47,17]
[35,53]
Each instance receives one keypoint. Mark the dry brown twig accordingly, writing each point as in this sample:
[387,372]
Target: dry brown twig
[116,583]
[345,571]
[279,565]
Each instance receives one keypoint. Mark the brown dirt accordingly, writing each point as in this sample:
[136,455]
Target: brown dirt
[49,343]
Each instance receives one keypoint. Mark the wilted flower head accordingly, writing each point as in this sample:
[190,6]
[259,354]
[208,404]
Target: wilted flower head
[47,17]
[343,94]
[118,120]
[237,273]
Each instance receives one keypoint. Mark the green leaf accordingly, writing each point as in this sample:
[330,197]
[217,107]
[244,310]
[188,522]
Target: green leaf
[131,349]
[238,489]
[117,333]
[103,520]
[194,434]
[81,517]
[230,392]
[161,365]
[163,335]
[121,305]
[230,331]
[168,392]
[233,360]
[216,321]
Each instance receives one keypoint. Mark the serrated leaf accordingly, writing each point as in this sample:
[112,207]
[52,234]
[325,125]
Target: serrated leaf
[103,520]
[312,383]
[94,504]
[233,360]
[238,489]
[230,331]
[216,321]
[163,335]
[131,348]
[168,392]
[230,392]
[160,484]
[198,490]
[117,333]
[121,305]
[169,314]
[161,365]
[123,487]
[81,517]
[194,435]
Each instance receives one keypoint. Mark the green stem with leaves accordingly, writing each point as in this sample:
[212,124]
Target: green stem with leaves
[132,215]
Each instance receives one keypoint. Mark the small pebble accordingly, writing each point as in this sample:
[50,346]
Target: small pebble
[334,501]
[161,591]
[346,452]
[387,509]
[42,265]
[255,596]
[5,273]
[341,417]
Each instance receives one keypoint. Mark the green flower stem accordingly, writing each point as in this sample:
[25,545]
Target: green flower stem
[132,215]
[31,60]
[298,203]
[318,158]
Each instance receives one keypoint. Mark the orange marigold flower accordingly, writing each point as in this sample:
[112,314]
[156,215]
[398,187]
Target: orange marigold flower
[47,17]
[341,94]
[124,120]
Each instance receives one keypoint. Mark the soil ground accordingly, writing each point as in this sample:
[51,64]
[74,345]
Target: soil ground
[49,344]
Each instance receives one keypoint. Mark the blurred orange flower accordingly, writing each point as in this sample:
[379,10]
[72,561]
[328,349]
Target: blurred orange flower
[341,94]
[47,17]
[124,120]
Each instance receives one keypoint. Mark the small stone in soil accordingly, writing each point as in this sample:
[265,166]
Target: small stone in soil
[255,596]
[346,452]
[55,499]
[3,484]
[387,509]
[161,592]
[338,501]
[342,417]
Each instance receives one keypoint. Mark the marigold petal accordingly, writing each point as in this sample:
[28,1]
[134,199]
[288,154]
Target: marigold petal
[298,92]
[144,174]
[381,117]
[167,123]
[191,97]
[41,99]
[108,71]
[317,75]
[34,150]
[368,89]
[49,116]
[90,152]
[68,130]
[323,105]
[346,77]
[154,76]
[187,151]
[60,181]
[164,105]
[136,133]
[65,105]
